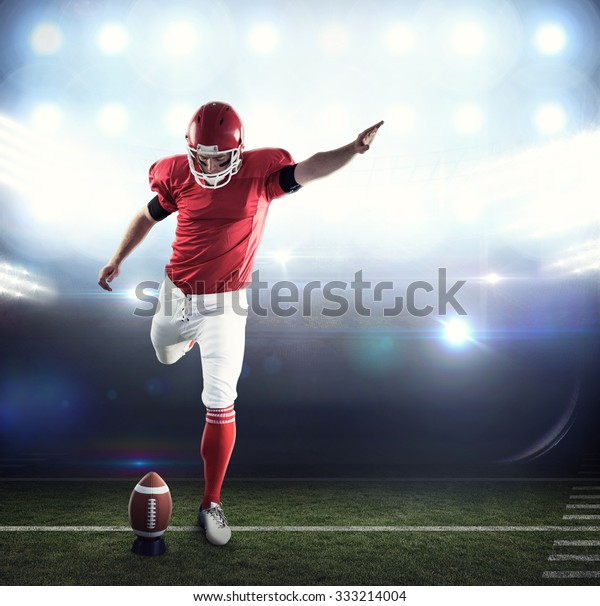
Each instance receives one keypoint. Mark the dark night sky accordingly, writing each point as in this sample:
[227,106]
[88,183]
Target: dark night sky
[81,389]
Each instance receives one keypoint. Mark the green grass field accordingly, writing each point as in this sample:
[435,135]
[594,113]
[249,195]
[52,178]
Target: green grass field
[400,558]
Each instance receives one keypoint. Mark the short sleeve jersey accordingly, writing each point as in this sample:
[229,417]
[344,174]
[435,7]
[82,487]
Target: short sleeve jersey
[218,230]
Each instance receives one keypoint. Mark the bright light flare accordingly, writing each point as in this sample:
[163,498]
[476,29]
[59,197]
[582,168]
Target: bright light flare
[400,39]
[547,197]
[550,119]
[46,39]
[134,293]
[180,39]
[468,39]
[457,332]
[47,117]
[113,118]
[581,258]
[282,256]
[19,283]
[550,39]
[492,278]
[263,39]
[112,39]
[62,171]
[468,120]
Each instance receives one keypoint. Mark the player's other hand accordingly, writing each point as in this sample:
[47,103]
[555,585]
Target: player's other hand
[364,140]
[107,274]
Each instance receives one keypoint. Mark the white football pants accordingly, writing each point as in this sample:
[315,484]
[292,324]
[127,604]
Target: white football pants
[217,322]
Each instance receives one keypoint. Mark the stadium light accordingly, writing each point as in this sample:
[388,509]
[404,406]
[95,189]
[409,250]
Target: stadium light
[263,39]
[550,39]
[46,39]
[112,39]
[468,119]
[54,229]
[457,332]
[16,150]
[530,187]
[492,278]
[19,283]
[47,117]
[180,39]
[550,119]
[468,39]
[113,118]
[400,39]
[282,256]
[581,258]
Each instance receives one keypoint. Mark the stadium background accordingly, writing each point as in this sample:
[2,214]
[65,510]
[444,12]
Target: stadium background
[486,166]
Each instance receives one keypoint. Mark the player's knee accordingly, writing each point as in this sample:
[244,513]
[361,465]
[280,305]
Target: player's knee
[165,358]
[219,399]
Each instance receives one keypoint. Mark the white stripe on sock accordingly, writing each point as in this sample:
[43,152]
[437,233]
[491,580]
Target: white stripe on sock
[220,416]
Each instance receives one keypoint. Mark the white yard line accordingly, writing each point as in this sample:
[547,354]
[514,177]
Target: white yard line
[565,543]
[574,558]
[571,574]
[585,496]
[315,529]
[581,517]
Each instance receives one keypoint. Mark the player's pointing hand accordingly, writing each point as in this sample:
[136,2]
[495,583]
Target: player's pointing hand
[364,140]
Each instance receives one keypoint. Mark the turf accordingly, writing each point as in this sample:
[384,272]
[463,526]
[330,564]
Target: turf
[315,558]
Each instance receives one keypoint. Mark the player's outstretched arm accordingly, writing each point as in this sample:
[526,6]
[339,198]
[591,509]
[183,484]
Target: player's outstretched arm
[139,227]
[325,163]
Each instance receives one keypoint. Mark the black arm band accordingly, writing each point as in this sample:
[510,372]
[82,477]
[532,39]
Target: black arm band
[157,212]
[287,182]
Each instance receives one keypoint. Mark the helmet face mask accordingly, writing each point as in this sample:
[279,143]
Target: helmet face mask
[215,131]
[213,180]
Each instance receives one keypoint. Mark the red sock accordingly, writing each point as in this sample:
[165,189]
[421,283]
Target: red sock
[218,440]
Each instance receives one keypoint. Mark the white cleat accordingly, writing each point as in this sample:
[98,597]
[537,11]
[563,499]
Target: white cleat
[214,523]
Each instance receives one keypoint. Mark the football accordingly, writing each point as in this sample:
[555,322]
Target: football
[150,507]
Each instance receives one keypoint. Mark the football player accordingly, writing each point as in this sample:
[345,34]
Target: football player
[221,194]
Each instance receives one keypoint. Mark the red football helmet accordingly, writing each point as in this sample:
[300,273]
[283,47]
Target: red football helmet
[215,130]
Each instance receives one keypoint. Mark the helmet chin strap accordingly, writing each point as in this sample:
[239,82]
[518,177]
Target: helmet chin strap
[214,181]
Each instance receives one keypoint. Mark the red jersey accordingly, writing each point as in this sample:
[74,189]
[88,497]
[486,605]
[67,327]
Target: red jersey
[218,230]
